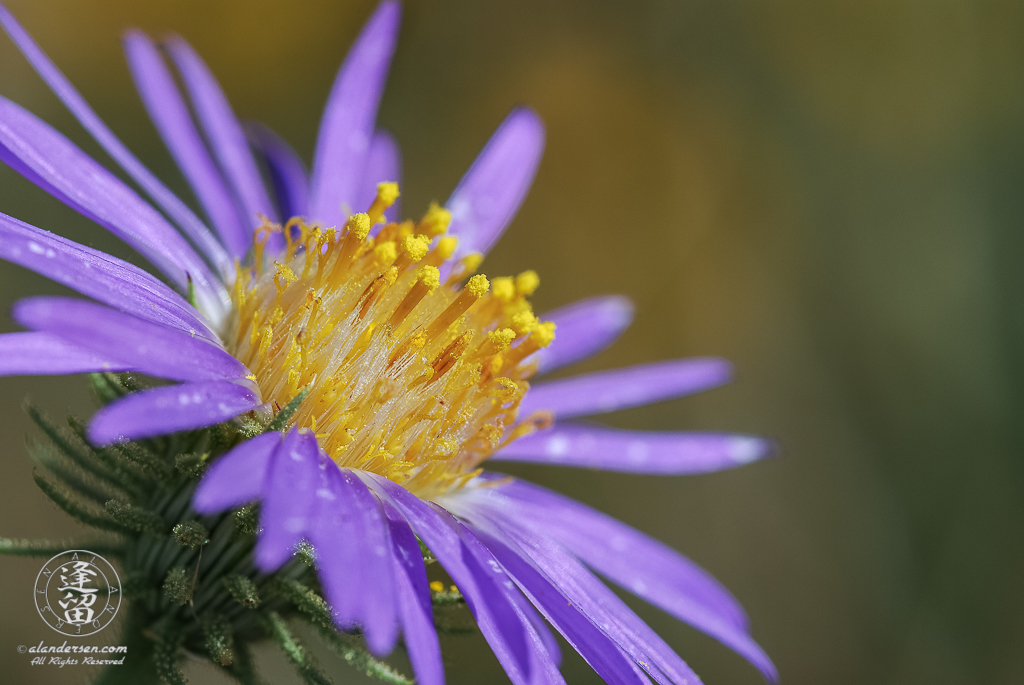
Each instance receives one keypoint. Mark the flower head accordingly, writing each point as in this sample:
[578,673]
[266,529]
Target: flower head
[374,370]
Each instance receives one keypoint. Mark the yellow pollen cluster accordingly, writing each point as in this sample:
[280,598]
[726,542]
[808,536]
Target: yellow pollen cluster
[416,365]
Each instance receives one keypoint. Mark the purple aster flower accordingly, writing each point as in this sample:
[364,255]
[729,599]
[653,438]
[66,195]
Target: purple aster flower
[401,369]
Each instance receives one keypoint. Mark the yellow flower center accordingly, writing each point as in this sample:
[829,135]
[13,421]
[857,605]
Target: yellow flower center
[410,377]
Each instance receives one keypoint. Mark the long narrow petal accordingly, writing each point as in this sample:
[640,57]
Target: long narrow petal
[489,195]
[285,513]
[223,131]
[383,163]
[542,665]
[588,595]
[157,191]
[42,354]
[145,347]
[170,409]
[482,587]
[171,117]
[414,606]
[583,329]
[287,172]
[55,164]
[594,646]
[347,124]
[541,632]
[634,386]
[632,451]
[354,557]
[100,276]
[238,477]
[635,561]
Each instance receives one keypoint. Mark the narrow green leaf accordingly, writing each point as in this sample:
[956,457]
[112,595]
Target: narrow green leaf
[178,585]
[218,640]
[247,521]
[191,534]
[293,649]
[135,518]
[349,647]
[243,668]
[65,501]
[145,460]
[105,464]
[12,547]
[190,465]
[45,456]
[243,590]
[305,600]
[80,455]
[166,654]
[106,387]
[280,421]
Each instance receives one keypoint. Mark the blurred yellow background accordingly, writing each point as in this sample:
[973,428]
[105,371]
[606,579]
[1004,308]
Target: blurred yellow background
[830,194]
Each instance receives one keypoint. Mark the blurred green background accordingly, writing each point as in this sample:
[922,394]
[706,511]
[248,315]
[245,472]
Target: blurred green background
[830,194]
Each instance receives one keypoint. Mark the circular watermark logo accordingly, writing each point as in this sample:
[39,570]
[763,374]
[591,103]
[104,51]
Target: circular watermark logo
[77,592]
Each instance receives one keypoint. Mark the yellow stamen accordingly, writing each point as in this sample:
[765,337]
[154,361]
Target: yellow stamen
[444,362]
[474,290]
[386,252]
[527,283]
[356,229]
[259,241]
[427,278]
[387,193]
[434,222]
[414,248]
[443,252]
[504,288]
[406,378]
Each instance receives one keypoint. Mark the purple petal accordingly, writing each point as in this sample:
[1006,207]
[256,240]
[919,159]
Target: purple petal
[414,605]
[490,193]
[56,165]
[541,666]
[642,565]
[170,409]
[287,172]
[236,478]
[583,329]
[383,163]
[76,104]
[100,276]
[224,133]
[614,548]
[634,386]
[346,128]
[354,557]
[543,635]
[482,585]
[171,117]
[586,593]
[143,346]
[611,449]
[594,646]
[42,354]
[288,499]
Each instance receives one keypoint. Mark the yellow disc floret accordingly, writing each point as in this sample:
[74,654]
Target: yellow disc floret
[410,377]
